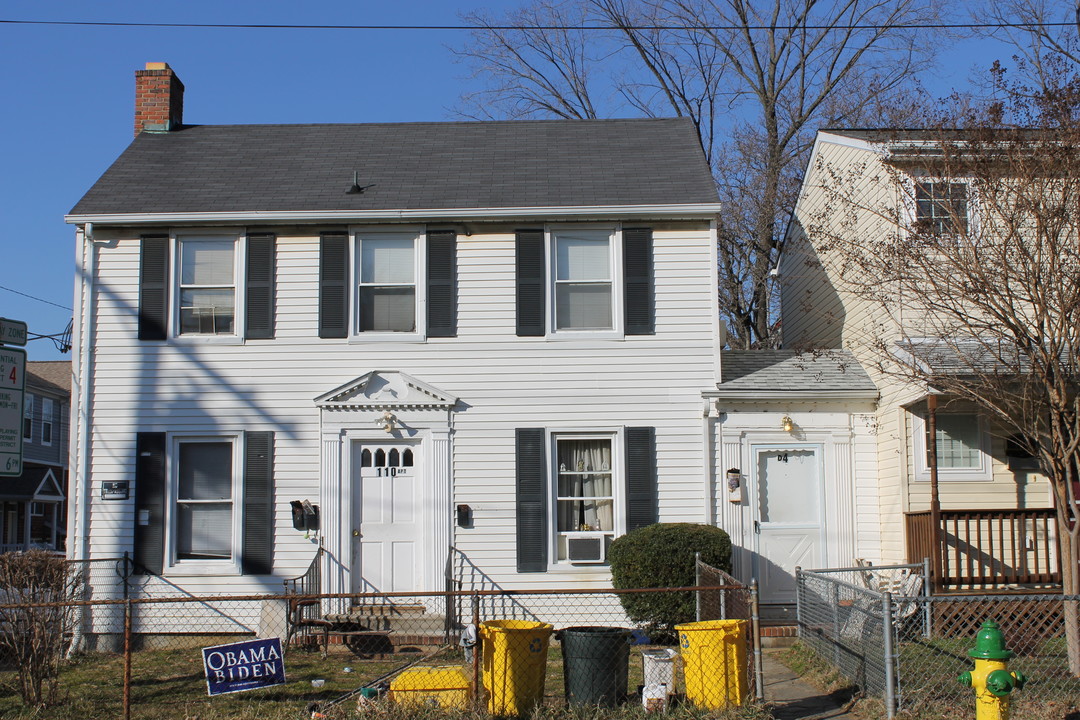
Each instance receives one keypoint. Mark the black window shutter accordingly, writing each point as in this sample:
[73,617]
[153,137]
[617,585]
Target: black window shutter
[334,285]
[259,300]
[153,287]
[442,283]
[640,477]
[258,552]
[532,494]
[150,502]
[638,278]
[531,283]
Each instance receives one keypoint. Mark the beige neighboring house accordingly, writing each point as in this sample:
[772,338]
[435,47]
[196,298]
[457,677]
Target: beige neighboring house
[996,519]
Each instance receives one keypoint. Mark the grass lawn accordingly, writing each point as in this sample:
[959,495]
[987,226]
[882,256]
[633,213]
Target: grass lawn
[170,685]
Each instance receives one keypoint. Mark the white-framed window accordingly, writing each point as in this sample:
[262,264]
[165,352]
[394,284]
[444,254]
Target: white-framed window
[963,447]
[388,292]
[46,421]
[37,509]
[941,208]
[207,267]
[586,489]
[204,504]
[585,277]
[28,418]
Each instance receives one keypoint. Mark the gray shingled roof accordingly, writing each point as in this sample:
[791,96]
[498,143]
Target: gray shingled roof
[792,371]
[49,375]
[552,163]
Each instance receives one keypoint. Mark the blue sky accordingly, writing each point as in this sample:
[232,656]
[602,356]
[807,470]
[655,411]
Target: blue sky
[66,100]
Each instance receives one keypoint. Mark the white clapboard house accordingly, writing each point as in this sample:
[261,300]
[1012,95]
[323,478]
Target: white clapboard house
[497,336]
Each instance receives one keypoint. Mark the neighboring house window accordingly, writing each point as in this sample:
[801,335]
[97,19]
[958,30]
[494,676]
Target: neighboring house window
[386,292]
[380,284]
[585,498]
[207,285]
[28,418]
[37,509]
[573,281]
[46,421]
[962,448]
[577,491]
[941,208]
[583,277]
[204,504]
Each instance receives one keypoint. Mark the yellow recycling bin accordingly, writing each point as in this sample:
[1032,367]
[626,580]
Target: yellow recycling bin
[714,662]
[514,664]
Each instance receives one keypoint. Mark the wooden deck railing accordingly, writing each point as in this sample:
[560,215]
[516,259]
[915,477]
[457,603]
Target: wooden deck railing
[986,549]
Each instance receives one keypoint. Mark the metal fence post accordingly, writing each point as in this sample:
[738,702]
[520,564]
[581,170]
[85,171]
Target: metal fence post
[478,648]
[697,584]
[890,670]
[755,627]
[927,590]
[798,599]
[127,638]
[836,623]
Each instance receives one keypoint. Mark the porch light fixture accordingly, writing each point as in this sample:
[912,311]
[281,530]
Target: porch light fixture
[787,423]
[387,421]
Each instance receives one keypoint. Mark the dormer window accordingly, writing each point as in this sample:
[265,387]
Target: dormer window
[941,208]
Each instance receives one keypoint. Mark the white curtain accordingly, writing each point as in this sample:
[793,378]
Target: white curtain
[585,472]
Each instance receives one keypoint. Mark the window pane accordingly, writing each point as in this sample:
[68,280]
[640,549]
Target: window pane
[583,306]
[958,443]
[584,515]
[387,309]
[205,471]
[206,262]
[582,258]
[386,260]
[787,486]
[585,472]
[207,311]
[204,531]
[941,207]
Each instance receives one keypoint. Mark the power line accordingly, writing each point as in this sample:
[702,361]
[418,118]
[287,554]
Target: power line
[32,297]
[246,26]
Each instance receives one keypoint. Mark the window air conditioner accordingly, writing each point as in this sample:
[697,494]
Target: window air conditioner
[585,547]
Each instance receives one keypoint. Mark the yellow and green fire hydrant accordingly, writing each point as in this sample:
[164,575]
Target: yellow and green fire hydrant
[992,680]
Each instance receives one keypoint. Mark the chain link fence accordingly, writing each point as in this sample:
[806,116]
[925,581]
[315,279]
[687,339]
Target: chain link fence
[883,632]
[142,644]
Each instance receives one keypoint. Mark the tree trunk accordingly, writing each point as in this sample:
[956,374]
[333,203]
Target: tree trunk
[1070,583]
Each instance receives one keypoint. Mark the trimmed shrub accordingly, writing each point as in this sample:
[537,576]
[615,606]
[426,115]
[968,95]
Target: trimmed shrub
[662,555]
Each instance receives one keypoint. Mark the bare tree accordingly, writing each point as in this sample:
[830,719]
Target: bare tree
[756,78]
[987,277]
[1038,29]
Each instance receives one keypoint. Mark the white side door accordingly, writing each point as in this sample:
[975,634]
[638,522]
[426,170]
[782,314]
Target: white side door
[787,517]
[386,515]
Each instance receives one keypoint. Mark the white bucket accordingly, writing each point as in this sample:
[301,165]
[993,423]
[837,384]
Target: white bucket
[658,668]
[655,697]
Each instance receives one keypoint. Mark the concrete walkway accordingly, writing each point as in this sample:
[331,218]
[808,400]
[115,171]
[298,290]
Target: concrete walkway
[793,699]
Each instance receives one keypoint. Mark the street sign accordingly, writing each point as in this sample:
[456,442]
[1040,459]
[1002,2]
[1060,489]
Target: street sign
[12,332]
[243,666]
[12,387]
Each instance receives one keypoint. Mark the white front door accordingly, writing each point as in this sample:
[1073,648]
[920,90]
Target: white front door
[787,517]
[386,515]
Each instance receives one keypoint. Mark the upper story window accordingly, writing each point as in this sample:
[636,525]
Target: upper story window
[941,208]
[46,421]
[386,291]
[28,418]
[962,447]
[207,285]
[584,279]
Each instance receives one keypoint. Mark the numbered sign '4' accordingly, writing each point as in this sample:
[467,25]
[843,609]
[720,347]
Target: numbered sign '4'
[12,388]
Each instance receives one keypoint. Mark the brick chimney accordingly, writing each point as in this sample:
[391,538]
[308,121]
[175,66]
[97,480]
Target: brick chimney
[159,99]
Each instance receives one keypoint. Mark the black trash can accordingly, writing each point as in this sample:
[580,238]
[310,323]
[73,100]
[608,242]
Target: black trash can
[596,661]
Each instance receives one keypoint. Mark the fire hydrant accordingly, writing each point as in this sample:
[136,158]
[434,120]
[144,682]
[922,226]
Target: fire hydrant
[992,680]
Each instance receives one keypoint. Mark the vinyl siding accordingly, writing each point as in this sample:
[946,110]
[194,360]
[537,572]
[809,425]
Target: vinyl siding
[503,381]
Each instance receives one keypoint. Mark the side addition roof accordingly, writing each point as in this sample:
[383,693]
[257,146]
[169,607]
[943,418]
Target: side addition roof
[49,376]
[303,171]
[770,374]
